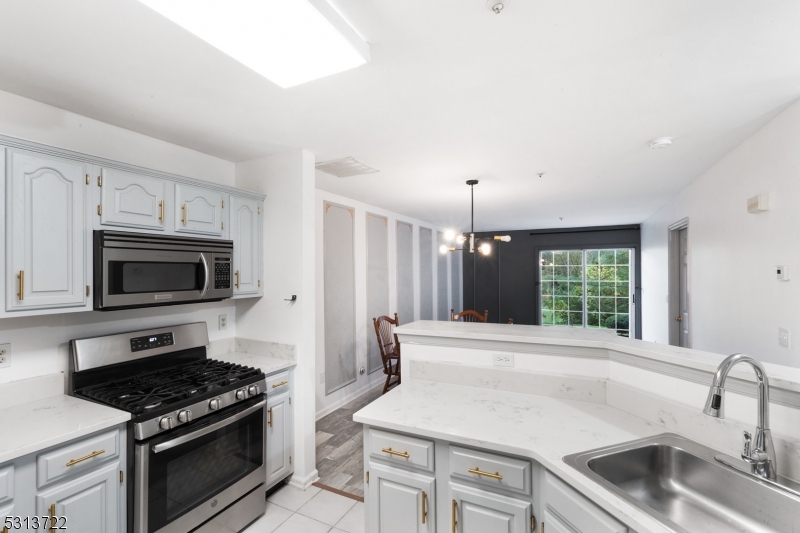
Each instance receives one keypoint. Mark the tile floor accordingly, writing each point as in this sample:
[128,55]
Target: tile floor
[291,510]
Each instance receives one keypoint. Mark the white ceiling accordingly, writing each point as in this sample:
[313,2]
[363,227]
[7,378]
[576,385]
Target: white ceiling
[573,88]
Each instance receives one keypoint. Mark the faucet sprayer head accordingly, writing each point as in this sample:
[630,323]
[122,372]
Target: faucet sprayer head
[715,403]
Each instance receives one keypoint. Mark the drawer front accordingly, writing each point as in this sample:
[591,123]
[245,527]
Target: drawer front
[7,483]
[278,383]
[401,450]
[76,457]
[575,511]
[495,470]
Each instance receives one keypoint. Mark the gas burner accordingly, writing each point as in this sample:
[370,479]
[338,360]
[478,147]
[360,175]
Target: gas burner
[152,406]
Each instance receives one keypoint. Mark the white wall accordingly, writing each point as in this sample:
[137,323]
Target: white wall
[326,404]
[288,181]
[39,344]
[735,302]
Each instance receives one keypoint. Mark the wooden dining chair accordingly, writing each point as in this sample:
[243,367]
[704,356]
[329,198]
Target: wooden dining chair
[389,347]
[469,316]
[510,320]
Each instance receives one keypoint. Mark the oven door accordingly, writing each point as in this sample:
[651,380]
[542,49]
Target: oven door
[188,475]
[137,278]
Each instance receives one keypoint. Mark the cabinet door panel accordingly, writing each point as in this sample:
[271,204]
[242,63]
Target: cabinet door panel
[132,200]
[89,503]
[480,511]
[395,502]
[246,236]
[278,444]
[46,237]
[198,210]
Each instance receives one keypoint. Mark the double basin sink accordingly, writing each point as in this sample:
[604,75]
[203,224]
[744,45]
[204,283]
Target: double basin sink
[686,487]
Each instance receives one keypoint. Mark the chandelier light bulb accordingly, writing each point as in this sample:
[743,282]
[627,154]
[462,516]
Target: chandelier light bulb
[443,249]
[485,248]
[449,235]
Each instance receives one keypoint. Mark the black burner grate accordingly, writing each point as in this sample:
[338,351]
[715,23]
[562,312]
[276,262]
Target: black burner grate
[150,390]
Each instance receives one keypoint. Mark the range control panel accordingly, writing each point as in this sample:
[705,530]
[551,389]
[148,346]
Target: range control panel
[153,341]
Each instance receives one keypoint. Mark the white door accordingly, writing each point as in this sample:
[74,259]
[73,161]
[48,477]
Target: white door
[46,234]
[89,503]
[279,433]
[246,235]
[683,294]
[480,511]
[132,200]
[400,501]
[198,210]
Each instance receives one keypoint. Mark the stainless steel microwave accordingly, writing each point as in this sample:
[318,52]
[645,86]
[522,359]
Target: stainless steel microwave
[143,270]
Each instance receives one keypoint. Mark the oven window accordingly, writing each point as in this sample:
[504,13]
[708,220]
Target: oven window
[187,475]
[128,277]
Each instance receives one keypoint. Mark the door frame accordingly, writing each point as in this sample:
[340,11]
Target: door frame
[673,282]
[637,279]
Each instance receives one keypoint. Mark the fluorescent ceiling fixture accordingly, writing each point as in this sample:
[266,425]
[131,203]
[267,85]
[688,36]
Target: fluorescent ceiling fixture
[289,42]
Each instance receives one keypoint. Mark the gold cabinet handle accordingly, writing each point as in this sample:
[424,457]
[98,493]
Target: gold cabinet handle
[390,451]
[53,518]
[85,457]
[533,522]
[185,213]
[269,412]
[479,472]
[237,279]
[453,514]
[424,506]
[161,209]
[281,384]
[21,285]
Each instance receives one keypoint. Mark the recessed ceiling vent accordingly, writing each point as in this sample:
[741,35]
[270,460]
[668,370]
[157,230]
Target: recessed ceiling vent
[343,168]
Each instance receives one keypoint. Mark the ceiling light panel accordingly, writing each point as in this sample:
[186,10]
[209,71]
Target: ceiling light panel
[289,42]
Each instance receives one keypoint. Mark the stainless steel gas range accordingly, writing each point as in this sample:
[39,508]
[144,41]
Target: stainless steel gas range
[196,440]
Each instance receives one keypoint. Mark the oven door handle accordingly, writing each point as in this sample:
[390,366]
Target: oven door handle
[208,429]
[205,280]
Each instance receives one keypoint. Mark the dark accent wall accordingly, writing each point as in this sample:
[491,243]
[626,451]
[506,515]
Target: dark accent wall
[506,282]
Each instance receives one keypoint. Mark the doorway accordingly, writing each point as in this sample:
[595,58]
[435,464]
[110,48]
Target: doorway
[678,295]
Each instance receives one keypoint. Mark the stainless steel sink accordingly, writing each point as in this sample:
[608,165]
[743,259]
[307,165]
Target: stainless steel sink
[680,483]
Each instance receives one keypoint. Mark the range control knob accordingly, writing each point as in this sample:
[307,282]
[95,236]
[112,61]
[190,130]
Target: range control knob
[252,390]
[214,404]
[185,416]
[166,422]
[241,394]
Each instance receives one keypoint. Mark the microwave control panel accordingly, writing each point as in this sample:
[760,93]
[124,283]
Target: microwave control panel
[222,274]
[152,341]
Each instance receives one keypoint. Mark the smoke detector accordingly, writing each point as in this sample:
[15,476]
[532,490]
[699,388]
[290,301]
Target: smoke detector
[660,143]
[497,5]
[345,167]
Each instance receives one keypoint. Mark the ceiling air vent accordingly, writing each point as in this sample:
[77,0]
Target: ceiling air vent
[348,166]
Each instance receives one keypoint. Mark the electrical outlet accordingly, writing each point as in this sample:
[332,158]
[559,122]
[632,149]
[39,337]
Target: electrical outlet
[223,322]
[322,378]
[783,337]
[4,353]
[503,359]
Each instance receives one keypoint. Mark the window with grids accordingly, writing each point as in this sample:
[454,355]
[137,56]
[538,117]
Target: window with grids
[587,288]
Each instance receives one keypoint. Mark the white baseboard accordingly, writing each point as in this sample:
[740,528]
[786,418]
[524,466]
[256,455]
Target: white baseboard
[303,483]
[347,399]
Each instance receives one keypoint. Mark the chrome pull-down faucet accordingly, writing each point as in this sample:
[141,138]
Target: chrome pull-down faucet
[759,452]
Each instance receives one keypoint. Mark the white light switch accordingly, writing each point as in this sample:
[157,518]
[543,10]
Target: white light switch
[783,337]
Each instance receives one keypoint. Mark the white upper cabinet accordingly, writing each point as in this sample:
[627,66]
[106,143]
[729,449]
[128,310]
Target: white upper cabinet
[46,236]
[132,200]
[246,235]
[199,210]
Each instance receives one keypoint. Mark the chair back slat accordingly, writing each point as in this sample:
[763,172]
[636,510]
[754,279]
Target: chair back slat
[469,316]
[389,347]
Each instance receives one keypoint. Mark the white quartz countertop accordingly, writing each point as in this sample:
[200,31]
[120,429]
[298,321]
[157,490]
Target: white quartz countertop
[33,426]
[268,364]
[542,428]
[426,331]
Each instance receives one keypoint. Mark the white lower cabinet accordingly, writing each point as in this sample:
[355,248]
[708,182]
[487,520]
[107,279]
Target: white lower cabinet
[467,490]
[479,511]
[400,501]
[88,503]
[279,433]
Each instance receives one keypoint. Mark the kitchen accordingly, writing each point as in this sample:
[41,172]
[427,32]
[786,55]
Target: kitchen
[197,240]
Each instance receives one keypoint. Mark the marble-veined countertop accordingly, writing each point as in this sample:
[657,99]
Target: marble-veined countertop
[542,428]
[268,364]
